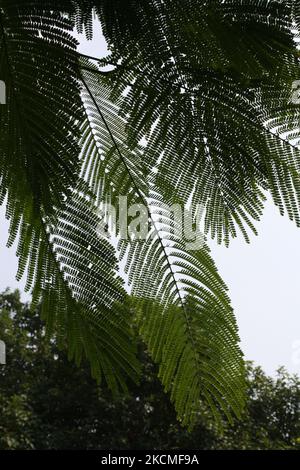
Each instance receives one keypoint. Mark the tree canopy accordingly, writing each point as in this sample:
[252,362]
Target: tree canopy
[196,111]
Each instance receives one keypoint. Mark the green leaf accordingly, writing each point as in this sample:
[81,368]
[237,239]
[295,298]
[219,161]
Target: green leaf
[69,268]
[201,79]
[182,308]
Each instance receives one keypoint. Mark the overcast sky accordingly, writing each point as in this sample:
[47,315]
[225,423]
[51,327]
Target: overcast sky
[263,279]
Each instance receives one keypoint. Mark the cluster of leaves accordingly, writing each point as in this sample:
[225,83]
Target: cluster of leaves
[195,110]
[46,402]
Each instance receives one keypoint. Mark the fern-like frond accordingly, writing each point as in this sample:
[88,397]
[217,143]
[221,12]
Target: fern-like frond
[197,352]
[69,269]
[249,39]
[181,302]
[195,111]
[73,273]
[194,75]
[40,122]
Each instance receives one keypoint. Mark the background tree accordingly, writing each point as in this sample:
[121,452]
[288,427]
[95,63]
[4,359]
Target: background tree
[47,402]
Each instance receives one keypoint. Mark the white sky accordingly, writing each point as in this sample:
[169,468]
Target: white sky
[263,278]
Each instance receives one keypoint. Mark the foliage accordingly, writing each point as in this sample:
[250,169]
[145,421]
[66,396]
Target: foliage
[196,110]
[49,403]
[197,343]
